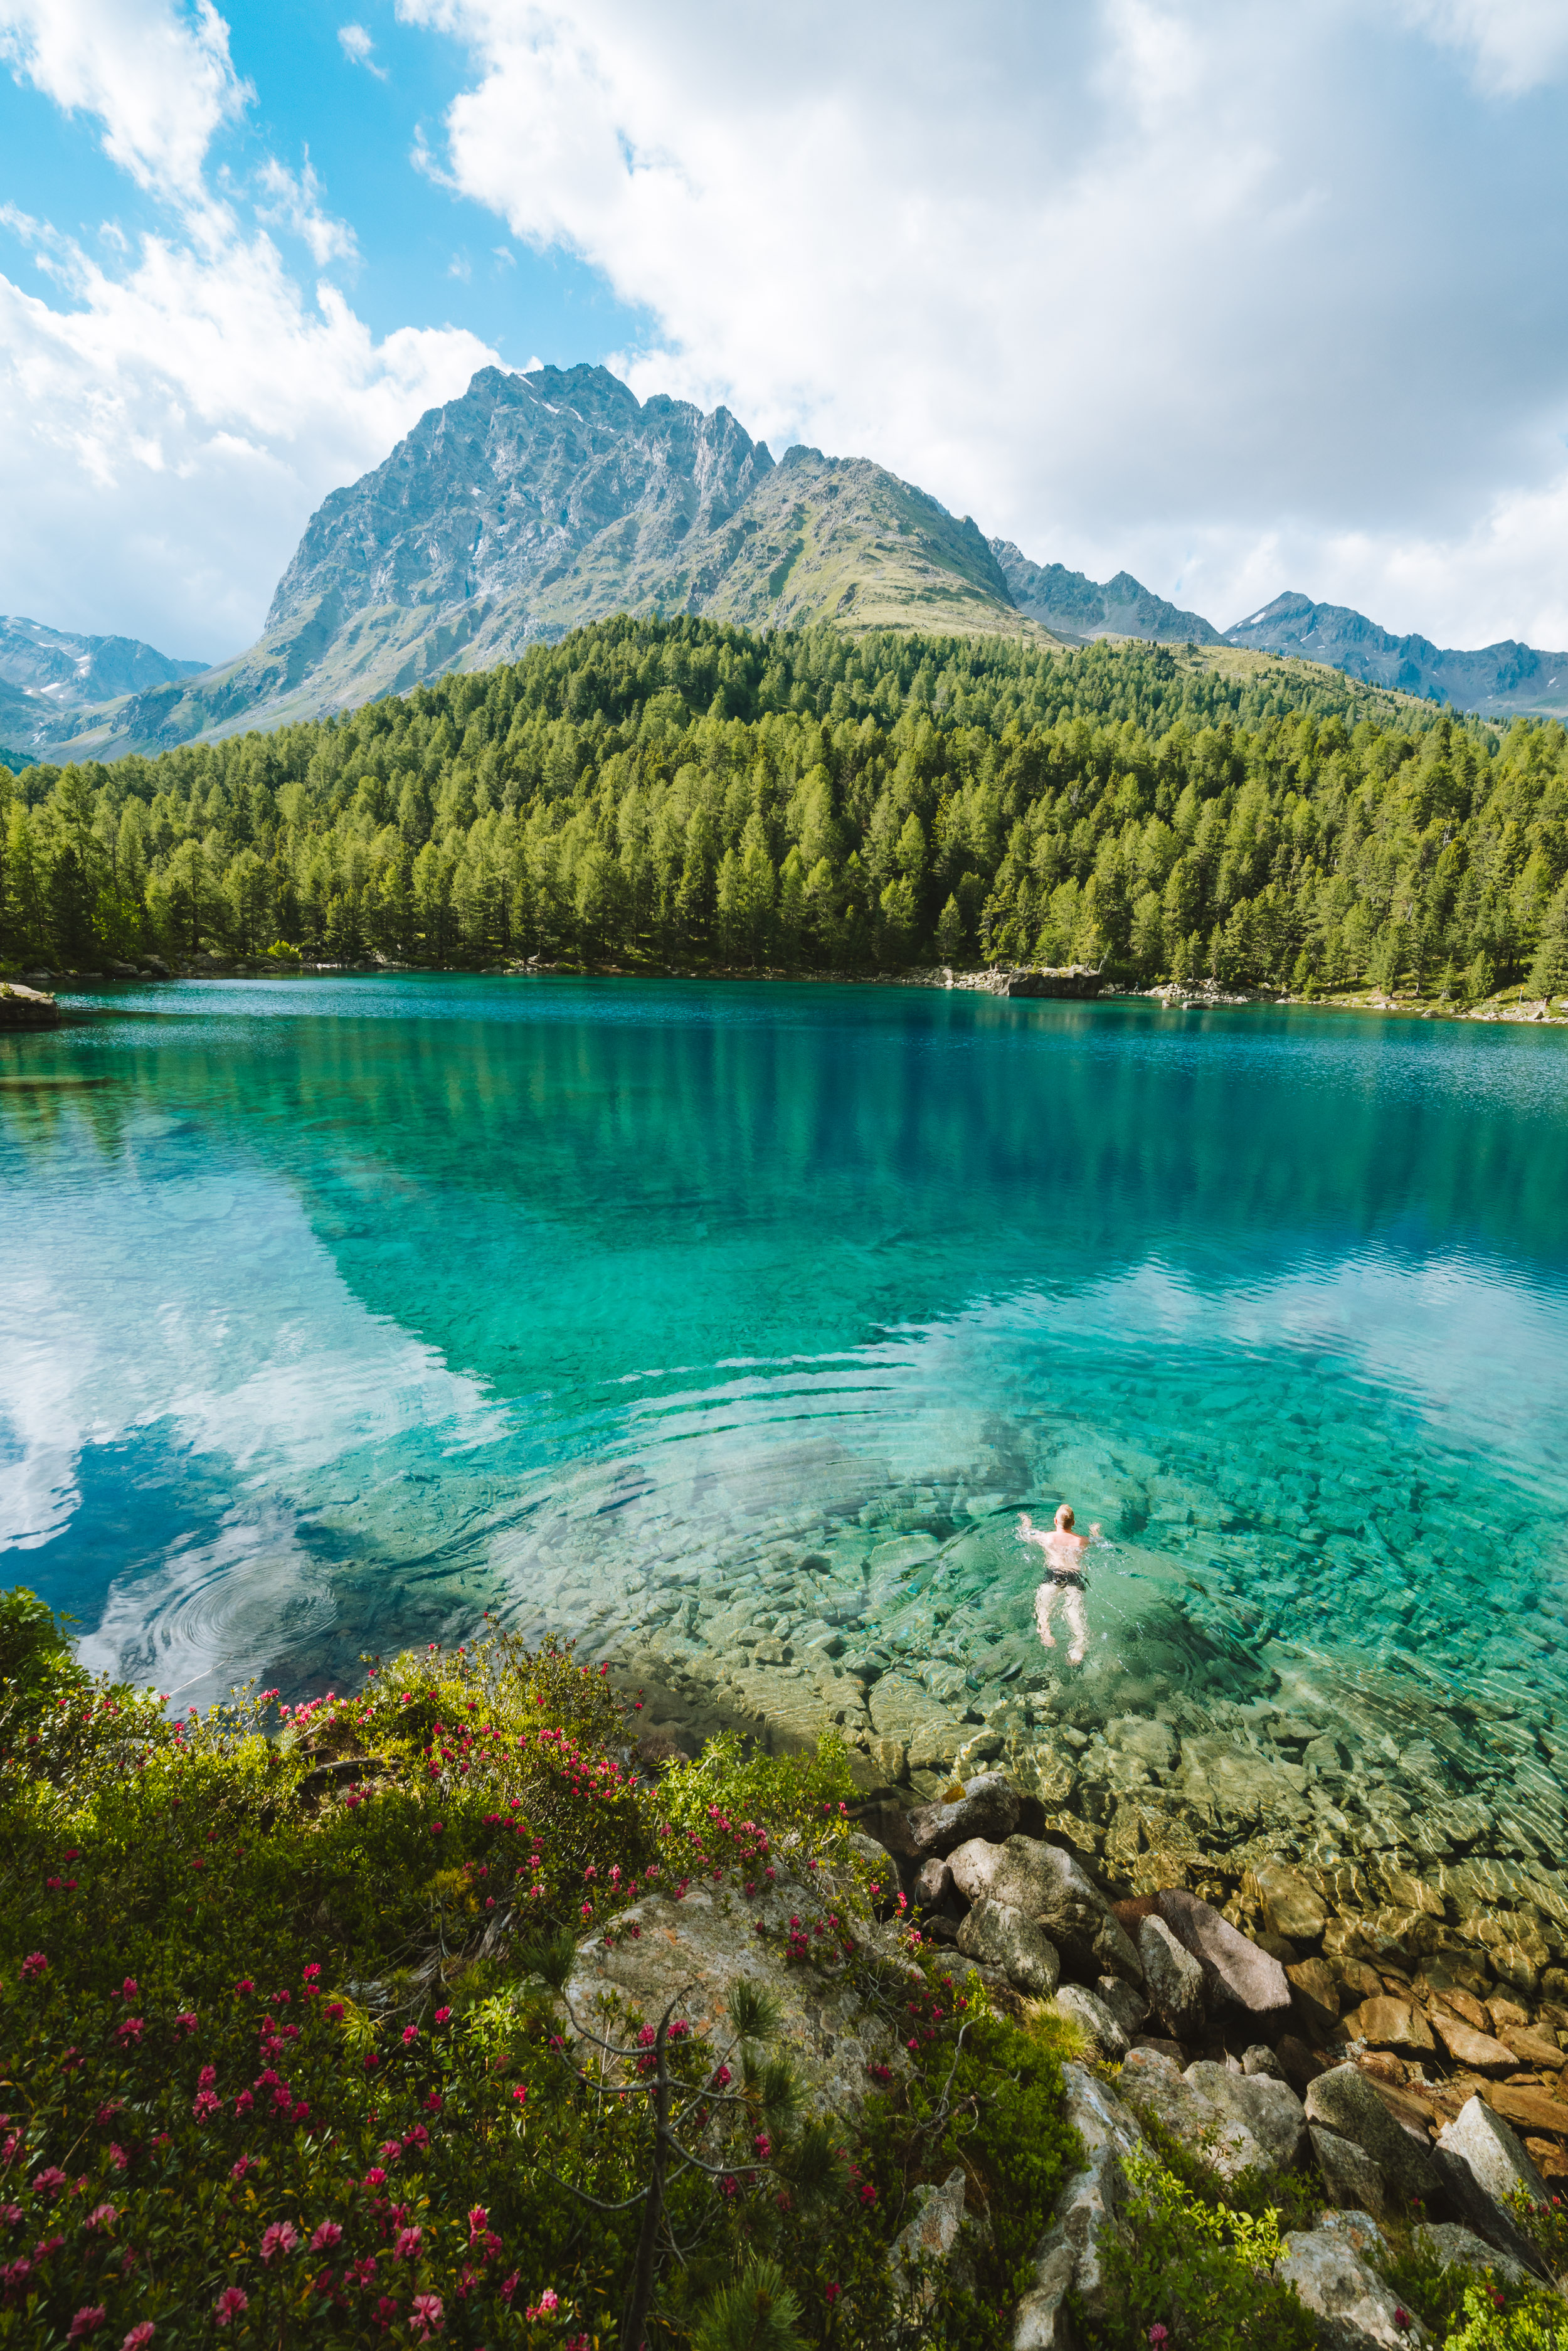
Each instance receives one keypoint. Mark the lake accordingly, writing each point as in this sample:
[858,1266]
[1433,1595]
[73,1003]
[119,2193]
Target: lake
[731,1326]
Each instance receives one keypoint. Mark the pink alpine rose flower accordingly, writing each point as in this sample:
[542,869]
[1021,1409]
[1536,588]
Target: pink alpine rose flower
[229,2304]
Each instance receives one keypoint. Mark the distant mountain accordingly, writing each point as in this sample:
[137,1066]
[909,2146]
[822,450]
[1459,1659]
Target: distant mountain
[1078,609]
[537,502]
[45,672]
[1498,681]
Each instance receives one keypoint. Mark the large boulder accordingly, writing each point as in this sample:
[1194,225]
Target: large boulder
[1000,1934]
[1173,1979]
[1055,1890]
[1482,2214]
[1159,2089]
[1129,2008]
[1266,2108]
[1070,2258]
[931,2236]
[1235,1969]
[1095,2018]
[1343,2100]
[703,1944]
[1331,2268]
[1350,2175]
[988,1808]
[1492,2152]
[1452,2246]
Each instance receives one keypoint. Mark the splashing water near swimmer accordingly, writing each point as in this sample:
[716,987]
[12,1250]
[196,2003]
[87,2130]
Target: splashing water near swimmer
[1063,1549]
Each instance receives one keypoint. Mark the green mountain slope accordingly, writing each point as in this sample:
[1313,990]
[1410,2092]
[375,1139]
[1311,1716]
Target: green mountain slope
[535,503]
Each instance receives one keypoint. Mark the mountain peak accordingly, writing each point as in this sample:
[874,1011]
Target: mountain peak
[1497,680]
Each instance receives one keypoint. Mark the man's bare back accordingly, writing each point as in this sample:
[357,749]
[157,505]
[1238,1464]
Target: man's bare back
[1063,1549]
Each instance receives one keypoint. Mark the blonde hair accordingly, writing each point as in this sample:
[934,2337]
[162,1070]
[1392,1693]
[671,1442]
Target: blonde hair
[1064,1514]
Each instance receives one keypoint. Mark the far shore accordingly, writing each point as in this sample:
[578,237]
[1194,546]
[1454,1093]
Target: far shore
[1511,1005]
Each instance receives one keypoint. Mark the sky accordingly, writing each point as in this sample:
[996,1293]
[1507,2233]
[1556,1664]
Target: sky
[1239,298]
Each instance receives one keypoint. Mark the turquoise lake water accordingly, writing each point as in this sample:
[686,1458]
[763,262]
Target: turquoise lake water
[335,1312]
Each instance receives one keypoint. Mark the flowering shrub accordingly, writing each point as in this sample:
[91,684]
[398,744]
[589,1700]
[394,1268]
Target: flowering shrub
[280,2063]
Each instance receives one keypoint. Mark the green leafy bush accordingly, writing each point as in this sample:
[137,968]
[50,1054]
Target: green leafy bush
[1537,2321]
[1198,2268]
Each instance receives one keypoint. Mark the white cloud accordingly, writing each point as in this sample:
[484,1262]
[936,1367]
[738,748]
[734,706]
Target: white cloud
[180,404]
[292,204]
[1514,45]
[1221,293]
[359,49]
[183,419]
[158,78]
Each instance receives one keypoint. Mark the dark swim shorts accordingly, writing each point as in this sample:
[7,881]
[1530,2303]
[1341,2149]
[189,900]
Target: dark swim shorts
[1074,1582]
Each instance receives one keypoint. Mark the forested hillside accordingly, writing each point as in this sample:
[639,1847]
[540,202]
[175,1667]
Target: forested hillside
[678,792]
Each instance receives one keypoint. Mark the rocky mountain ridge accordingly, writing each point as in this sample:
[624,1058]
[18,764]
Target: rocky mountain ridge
[535,503]
[1498,681]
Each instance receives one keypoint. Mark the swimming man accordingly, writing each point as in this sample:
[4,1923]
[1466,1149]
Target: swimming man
[1064,1550]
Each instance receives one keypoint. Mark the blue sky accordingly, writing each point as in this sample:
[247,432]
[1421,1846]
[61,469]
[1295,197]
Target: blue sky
[1238,299]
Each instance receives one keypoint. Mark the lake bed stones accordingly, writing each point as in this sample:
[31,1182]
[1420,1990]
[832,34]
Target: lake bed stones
[1000,1934]
[1477,2052]
[1235,1969]
[1053,1888]
[1173,1979]
[1343,2100]
[1386,2023]
[1290,1905]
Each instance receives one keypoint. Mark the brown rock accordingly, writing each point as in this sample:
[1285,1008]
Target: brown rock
[1468,2047]
[1356,1981]
[1314,1997]
[1298,2062]
[1533,2047]
[1505,2015]
[1463,2004]
[1551,2158]
[1290,1905]
[1530,2109]
[1387,2024]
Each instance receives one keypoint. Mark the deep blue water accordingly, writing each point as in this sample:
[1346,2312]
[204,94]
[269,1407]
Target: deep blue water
[336,1311]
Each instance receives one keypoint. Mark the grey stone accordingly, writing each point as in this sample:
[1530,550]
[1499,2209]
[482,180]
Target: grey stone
[1493,2152]
[1453,2246]
[1234,1968]
[934,1883]
[988,1808]
[1269,2109]
[1071,2255]
[1157,2086]
[1331,2269]
[1261,2058]
[931,2235]
[1343,2100]
[1174,1979]
[1095,2018]
[1129,2008]
[1055,1889]
[1349,2175]
[1000,1934]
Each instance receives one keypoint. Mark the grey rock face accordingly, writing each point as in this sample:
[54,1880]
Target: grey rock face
[1210,2130]
[1350,2175]
[934,1883]
[1052,1887]
[1174,1979]
[1002,1936]
[1261,2058]
[932,2234]
[1095,2018]
[1330,2270]
[988,1808]
[1343,2100]
[1271,2110]
[1456,2247]
[1493,2151]
[1482,2214]
[1233,1968]
[1129,2008]
[1072,2255]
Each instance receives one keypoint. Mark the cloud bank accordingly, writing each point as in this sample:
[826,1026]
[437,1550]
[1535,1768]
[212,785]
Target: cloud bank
[1239,298]
[180,403]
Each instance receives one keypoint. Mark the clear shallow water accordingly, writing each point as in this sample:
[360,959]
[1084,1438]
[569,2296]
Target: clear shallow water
[698,1317]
